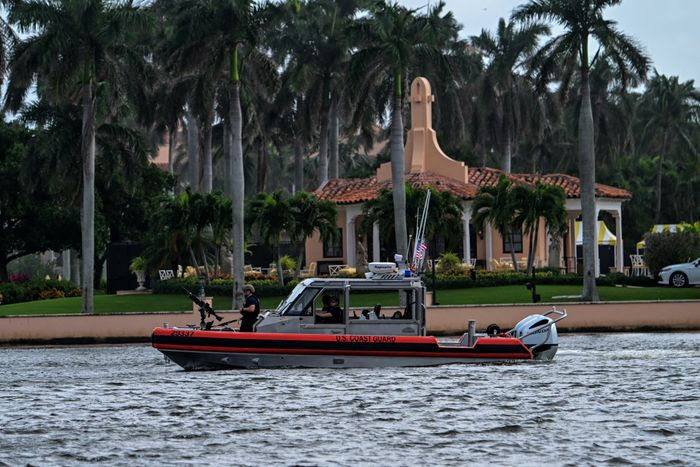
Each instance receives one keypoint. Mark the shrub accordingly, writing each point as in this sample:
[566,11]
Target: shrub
[138,264]
[36,289]
[220,287]
[252,276]
[18,277]
[450,264]
[51,293]
[664,249]
[288,263]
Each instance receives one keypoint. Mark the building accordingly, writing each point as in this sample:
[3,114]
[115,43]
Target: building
[426,165]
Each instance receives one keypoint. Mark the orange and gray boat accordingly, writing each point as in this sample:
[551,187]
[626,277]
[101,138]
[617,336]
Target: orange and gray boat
[388,334]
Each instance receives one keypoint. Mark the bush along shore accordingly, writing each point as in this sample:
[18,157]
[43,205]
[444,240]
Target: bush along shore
[480,278]
[30,290]
[40,289]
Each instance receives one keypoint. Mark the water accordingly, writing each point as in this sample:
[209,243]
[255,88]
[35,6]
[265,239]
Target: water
[607,399]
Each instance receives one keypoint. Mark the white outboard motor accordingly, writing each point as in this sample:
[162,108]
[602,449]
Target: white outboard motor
[539,334]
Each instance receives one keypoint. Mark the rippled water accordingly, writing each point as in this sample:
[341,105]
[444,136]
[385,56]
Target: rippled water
[606,399]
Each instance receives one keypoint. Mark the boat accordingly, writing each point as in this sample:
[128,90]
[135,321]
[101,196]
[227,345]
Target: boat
[388,334]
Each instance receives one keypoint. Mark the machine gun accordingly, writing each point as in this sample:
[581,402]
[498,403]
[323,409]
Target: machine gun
[203,307]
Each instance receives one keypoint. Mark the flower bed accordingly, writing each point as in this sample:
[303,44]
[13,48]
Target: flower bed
[36,289]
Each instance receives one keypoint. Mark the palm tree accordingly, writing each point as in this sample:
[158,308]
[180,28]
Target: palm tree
[315,42]
[393,39]
[583,20]
[95,41]
[497,206]
[271,216]
[444,214]
[8,40]
[670,111]
[308,216]
[211,37]
[504,90]
[543,202]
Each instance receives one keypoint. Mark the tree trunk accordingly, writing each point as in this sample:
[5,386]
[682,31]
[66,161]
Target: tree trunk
[206,264]
[298,166]
[87,152]
[237,194]
[398,179]
[554,254]
[511,242]
[207,163]
[588,205]
[333,139]
[280,271]
[323,137]
[300,259]
[227,160]
[533,248]
[192,149]
[172,142]
[507,153]
[262,164]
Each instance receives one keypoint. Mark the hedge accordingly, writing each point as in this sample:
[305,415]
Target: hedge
[36,289]
[222,287]
[219,287]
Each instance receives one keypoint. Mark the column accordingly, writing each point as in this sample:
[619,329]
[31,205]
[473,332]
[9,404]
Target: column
[619,250]
[350,241]
[488,236]
[466,242]
[597,247]
[376,250]
[65,270]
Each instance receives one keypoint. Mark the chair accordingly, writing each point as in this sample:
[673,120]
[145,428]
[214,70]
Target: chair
[166,274]
[498,266]
[334,269]
[638,265]
[310,271]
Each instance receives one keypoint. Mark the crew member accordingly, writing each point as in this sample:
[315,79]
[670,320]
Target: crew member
[331,314]
[250,310]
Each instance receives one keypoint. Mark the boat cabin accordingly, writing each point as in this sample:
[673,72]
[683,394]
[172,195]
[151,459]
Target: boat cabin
[388,305]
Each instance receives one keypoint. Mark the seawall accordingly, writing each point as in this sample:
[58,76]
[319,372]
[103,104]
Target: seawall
[441,320]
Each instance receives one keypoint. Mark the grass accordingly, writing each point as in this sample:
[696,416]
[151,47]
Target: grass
[106,304]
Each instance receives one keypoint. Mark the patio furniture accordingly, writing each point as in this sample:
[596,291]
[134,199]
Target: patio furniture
[639,268]
[334,269]
[310,271]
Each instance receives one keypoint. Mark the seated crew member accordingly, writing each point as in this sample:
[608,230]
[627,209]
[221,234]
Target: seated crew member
[330,314]
[250,310]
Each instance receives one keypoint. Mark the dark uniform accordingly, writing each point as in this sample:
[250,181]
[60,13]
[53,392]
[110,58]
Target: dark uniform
[248,319]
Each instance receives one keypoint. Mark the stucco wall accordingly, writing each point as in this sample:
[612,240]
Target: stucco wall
[441,320]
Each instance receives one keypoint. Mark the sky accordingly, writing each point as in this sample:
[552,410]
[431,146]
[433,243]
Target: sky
[669,30]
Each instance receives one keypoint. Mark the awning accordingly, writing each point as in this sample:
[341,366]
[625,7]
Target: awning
[660,228]
[605,237]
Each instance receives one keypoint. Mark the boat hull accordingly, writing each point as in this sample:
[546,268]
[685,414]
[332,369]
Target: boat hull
[215,350]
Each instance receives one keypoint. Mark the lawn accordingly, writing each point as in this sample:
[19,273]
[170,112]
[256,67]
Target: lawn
[508,294]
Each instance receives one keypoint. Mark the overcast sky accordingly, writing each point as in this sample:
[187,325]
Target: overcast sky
[669,30]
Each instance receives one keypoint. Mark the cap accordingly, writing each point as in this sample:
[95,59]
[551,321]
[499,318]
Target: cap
[249,287]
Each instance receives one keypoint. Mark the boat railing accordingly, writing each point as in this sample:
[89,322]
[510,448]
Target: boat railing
[562,314]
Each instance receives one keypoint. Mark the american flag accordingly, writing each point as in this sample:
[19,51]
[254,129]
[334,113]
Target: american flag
[420,251]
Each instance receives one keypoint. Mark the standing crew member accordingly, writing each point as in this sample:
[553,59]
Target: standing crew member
[250,310]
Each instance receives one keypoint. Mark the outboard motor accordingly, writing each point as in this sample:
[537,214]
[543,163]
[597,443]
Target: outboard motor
[539,334]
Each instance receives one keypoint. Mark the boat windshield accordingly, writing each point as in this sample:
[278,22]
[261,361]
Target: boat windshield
[300,287]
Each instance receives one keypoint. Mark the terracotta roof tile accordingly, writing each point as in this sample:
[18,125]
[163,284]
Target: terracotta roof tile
[359,190]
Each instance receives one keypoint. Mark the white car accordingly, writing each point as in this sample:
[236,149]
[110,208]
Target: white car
[681,275]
